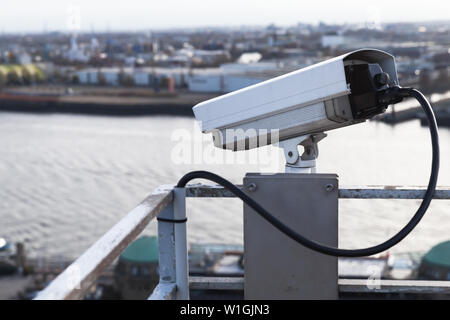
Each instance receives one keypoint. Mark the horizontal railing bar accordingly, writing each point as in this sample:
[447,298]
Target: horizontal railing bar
[73,282]
[164,291]
[394,286]
[392,192]
[364,192]
[345,285]
[216,283]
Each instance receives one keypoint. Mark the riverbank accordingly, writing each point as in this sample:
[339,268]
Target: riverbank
[99,101]
[397,114]
[138,101]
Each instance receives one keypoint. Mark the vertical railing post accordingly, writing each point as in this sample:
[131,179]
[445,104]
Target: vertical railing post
[173,256]
[166,243]
[181,254]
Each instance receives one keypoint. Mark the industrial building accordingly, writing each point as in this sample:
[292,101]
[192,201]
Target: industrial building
[226,78]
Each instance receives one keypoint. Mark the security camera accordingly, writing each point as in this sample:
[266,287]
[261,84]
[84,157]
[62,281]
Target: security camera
[332,94]
[299,107]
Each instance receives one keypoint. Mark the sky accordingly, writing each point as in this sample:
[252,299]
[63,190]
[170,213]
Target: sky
[102,15]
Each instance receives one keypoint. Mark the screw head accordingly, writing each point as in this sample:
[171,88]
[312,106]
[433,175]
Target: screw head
[329,187]
[251,187]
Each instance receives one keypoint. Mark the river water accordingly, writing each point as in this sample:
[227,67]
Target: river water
[66,179]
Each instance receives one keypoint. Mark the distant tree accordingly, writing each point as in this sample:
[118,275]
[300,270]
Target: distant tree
[3,79]
[38,75]
[442,58]
[75,79]
[11,57]
[101,79]
[128,81]
[121,76]
[442,82]
[164,82]
[14,77]
[56,76]
[425,82]
[234,52]
[27,75]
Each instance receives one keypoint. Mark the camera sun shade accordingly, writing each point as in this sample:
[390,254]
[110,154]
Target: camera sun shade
[318,98]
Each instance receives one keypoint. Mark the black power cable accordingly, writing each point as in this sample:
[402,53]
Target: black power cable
[391,94]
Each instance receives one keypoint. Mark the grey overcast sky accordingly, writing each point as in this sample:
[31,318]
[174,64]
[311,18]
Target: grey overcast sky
[100,15]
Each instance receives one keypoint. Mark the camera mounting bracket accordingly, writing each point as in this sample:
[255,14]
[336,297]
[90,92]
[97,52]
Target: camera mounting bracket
[306,162]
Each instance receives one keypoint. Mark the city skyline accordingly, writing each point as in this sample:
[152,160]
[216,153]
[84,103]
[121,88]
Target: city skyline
[82,15]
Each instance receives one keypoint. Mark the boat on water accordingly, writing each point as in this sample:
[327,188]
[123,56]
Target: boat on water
[215,259]
[442,118]
[227,260]
[136,272]
[4,245]
[404,265]
[435,264]
[7,266]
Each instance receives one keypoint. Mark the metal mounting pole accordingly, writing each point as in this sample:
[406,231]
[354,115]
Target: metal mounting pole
[173,255]
[181,254]
[167,261]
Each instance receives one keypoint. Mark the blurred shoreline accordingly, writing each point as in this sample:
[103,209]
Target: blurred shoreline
[135,101]
[99,101]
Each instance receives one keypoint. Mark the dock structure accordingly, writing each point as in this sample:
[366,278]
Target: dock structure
[441,108]
[106,102]
[168,204]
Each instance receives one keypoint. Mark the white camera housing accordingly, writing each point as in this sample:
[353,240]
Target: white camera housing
[310,100]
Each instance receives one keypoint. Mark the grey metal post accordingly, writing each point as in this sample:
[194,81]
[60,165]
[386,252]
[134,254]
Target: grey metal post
[181,254]
[166,244]
[276,267]
[166,289]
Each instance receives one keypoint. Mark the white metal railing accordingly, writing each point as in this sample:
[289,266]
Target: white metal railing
[345,285]
[168,204]
[73,282]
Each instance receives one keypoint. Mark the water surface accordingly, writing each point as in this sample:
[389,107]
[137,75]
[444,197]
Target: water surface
[66,179]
